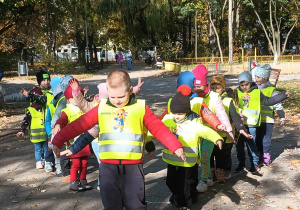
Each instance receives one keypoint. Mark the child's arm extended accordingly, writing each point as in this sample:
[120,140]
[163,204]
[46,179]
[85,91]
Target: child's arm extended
[83,104]
[209,134]
[137,88]
[34,98]
[60,123]
[270,101]
[279,109]
[210,117]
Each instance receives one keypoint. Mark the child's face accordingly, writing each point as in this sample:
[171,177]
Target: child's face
[200,88]
[45,83]
[260,80]
[119,96]
[245,86]
[178,116]
[217,88]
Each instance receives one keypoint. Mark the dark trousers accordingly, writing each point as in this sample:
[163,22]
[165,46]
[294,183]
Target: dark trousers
[218,156]
[263,137]
[182,182]
[65,163]
[227,147]
[122,186]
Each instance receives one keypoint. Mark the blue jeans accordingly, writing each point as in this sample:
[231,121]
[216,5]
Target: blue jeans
[128,63]
[251,146]
[120,65]
[40,150]
[263,138]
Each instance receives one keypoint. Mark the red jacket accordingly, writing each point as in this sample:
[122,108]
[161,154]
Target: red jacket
[87,121]
[206,114]
[63,121]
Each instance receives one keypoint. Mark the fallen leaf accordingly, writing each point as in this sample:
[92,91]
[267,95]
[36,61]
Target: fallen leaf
[271,205]
[260,195]
[9,180]
[43,191]
[295,161]
[224,197]
[288,207]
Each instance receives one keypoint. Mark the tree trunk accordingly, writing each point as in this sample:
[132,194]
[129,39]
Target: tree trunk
[216,33]
[230,40]
[190,34]
[196,44]
[184,43]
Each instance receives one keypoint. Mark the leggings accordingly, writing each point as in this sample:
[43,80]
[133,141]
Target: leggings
[79,165]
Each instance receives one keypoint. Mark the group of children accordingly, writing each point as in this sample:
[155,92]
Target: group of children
[198,127]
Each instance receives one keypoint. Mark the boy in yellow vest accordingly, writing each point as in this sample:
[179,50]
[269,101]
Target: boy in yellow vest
[264,131]
[35,120]
[223,157]
[121,150]
[182,176]
[250,101]
[79,160]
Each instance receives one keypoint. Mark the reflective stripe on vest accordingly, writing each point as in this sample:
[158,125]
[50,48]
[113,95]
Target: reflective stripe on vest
[250,105]
[73,113]
[37,127]
[267,112]
[188,139]
[122,130]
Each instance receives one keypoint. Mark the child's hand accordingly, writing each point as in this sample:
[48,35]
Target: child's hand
[24,92]
[230,136]
[221,127]
[85,90]
[66,152]
[20,134]
[282,122]
[56,129]
[150,156]
[73,84]
[288,94]
[140,83]
[179,152]
[247,135]
[220,144]
[56,151]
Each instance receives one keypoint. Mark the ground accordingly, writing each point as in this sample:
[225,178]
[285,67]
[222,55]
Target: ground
[23,187]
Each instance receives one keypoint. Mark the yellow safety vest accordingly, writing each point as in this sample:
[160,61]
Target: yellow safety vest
[211,101]
[189,140]
[73,113]
[267,112]
[49,96]
[121,131]
[250,105]
[37,131]
[226,103]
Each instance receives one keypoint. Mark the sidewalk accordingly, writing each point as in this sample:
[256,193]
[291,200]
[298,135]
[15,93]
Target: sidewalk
[23,187]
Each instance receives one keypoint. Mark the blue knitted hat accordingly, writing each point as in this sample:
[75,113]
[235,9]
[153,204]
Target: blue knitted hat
[54,81]
[262,72]
[245,77]
[185,82]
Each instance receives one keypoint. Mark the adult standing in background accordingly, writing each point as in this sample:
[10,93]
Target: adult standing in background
[120,59]
[128,57]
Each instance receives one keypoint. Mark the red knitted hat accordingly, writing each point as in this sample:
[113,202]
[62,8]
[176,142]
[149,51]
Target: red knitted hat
[68,92]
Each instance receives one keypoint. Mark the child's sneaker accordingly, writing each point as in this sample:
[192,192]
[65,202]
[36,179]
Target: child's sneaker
[98,187]
[39,165]
[267,159]
[240,168]
[76,186]
[66,179]
[202,186]
[210,182]
[254,169]
[227,174]
[85,184]
[48,167]
[220,175]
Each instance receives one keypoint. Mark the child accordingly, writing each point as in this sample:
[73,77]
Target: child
[250,101]
[264,131]
[214,103]
[182,176]
[223,157]
[121,153]
[80,160]
[35,119]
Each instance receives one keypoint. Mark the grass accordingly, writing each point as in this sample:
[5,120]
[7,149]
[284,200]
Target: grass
[293,103]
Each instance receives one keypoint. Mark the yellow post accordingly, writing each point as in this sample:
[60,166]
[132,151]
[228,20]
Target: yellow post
[255,54]
[243,59]
[292,58]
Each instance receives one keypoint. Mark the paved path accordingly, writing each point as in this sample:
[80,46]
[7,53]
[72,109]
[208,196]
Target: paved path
[23,187]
